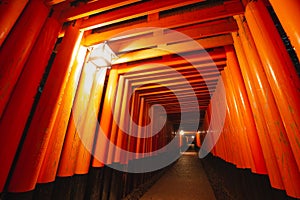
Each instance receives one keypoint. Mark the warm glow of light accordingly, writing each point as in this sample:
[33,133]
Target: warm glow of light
[181,132]
[102,55]
[101,75]
[89,77]
[109,92]
[80,59]
[76,48]
[193,137]
[81,54]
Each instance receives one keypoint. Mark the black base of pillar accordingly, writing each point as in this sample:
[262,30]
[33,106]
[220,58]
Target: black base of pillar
[229,182]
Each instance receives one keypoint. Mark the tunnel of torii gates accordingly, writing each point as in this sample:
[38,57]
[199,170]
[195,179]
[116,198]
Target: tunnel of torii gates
[62,60]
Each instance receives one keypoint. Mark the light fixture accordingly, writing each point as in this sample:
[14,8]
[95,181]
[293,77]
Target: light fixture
[181,132]
[101,55]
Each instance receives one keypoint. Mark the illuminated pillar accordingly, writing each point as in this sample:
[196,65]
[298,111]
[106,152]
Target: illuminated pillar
[73,141]
[254,97]
[90,121]
[52,156]
[151,130]
[34,148]
[263,132]
[198,140]
[126,138]
[237,122]
[289,15]
[266,104]
[280,71]
[118,120]
[140,141]
[232,138]
[9,13]
[225,136]
[17,47]
[27,84]
[246,112]
[134,119]
[207,120]
[211,128]
[218,101]
[145,132]
[122,137]
[101,147]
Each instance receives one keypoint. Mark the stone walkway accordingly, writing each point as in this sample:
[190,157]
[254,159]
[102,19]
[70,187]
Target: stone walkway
[186,179]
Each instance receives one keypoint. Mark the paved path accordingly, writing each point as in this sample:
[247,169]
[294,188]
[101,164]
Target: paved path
[186,179]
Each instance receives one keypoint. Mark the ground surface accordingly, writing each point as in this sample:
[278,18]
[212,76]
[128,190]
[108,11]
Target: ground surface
[186,179]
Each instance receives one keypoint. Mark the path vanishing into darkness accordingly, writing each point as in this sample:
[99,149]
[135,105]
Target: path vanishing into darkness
[186,179]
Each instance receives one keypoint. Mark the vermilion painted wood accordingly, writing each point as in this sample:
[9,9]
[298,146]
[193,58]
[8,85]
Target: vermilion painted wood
[151,130]
[215,55]
[221,101]
[278,136]
[231,137]
[126,138]
[144,132]
[54,148]
[27,84]
[139,144]
[90,122]
[73,141]
[135,104]
[141,131]
[134,11]
[122,140]
[69,151]
[17,47]
[248,107]
[272,166]
[289,15]
[280,72]
[206,43]
[208,13]
[268,113]
[85,10]
[10,11]
[146,121]
[198,140]
[256,85]
[208,126]
[27,167]
[253,82]
[118,120]
[85,133]
[106,117]
[234,101]
[259,163]
[218,100]
[235,142]
[269,154]
[225,137]
[53,2]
